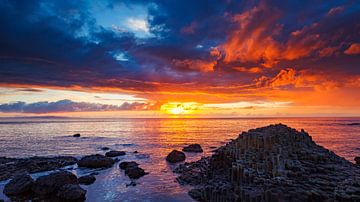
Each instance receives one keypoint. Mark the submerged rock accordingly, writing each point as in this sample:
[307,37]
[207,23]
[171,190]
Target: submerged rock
[13,166]
[273,163]
[193,148]
[114,153]
[175,156]
[132,169]
[71,192]
[76,135]
[96,161]
[19,185]
[87,179]
[49,184]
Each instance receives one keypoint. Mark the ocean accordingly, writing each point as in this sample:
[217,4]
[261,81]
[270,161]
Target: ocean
[153,139]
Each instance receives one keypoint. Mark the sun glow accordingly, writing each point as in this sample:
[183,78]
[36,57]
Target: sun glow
[175,108]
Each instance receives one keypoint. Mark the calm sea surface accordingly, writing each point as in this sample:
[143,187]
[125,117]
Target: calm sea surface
[153,139]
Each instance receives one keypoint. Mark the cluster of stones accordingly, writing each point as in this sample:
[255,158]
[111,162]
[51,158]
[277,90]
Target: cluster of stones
[273,163]
[176,156]
[132,169]
[58,186]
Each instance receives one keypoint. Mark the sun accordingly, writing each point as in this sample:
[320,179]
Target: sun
[179,109]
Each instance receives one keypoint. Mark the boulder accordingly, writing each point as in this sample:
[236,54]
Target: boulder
[193,148]
[96,161]
[175,156]
[19,185]
[357,160]
[105,148]
[49,184]
[76,135]
[132,169]
[71,192]
[87,179]
[114,153]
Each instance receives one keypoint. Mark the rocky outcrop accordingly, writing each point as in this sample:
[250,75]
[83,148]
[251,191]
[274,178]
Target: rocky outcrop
[49,184]
[96,161]
[175,156]
[114,153]
[193,148]
[87,179]
[13,166]
[132,169]
[76,135]
[19,185]
[273,163]
[71,192]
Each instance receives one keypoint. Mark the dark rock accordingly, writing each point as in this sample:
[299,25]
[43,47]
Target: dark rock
[96,161]
[49,184]
[193,148]
[135,152]
[273,163]
[76,135]
[71,192]
[87,179]
[357,160]
[13,166]
[19,185]
[175,156]
[125,164]
[132,169]
[114,153]
[105,148]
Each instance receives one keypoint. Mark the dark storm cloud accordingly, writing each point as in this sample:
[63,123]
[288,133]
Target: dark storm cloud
[68,106]
[203,43]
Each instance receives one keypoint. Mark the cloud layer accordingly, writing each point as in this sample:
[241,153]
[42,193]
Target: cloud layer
[212,51]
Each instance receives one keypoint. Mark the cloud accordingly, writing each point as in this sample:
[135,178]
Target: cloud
[70,106]
[353,49]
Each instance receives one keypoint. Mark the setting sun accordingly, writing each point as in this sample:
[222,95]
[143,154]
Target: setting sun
[177,108]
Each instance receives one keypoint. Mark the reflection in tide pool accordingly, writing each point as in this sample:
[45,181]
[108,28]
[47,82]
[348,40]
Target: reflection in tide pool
[153,139]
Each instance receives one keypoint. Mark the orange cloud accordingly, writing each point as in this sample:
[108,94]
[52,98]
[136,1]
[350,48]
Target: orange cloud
[354,49]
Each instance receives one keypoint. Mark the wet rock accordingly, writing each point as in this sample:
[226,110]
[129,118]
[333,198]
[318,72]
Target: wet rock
[193,148]
[96,161]
[105,148]
[357,160]
[175,156]
[19,185]
[273,163]
[76,135]
[114,153]
[71,192]
[132,169]
[87,179]
[13,166]
[135,152]
[49,184]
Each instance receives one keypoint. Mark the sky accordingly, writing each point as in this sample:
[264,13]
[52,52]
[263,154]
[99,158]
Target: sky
[169,58]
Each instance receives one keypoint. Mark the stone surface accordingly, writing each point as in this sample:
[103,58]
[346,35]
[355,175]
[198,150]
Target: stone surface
[175,156]
[273,163]
[49,184]
[114,153]
[87,179]
[132,169]
[76,135]
[357,160]
[71,192]
[193,148]
[96,161]
[19,185]
[13,166]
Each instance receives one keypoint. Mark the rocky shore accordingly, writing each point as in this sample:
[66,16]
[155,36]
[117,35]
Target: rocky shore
[273,163]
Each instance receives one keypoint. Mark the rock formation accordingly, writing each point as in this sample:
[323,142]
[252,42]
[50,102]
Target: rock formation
[132,169]
[13,166]
[193,148]
[87,179]
[175,156]
[96,161]
[114,153]
[273,163]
